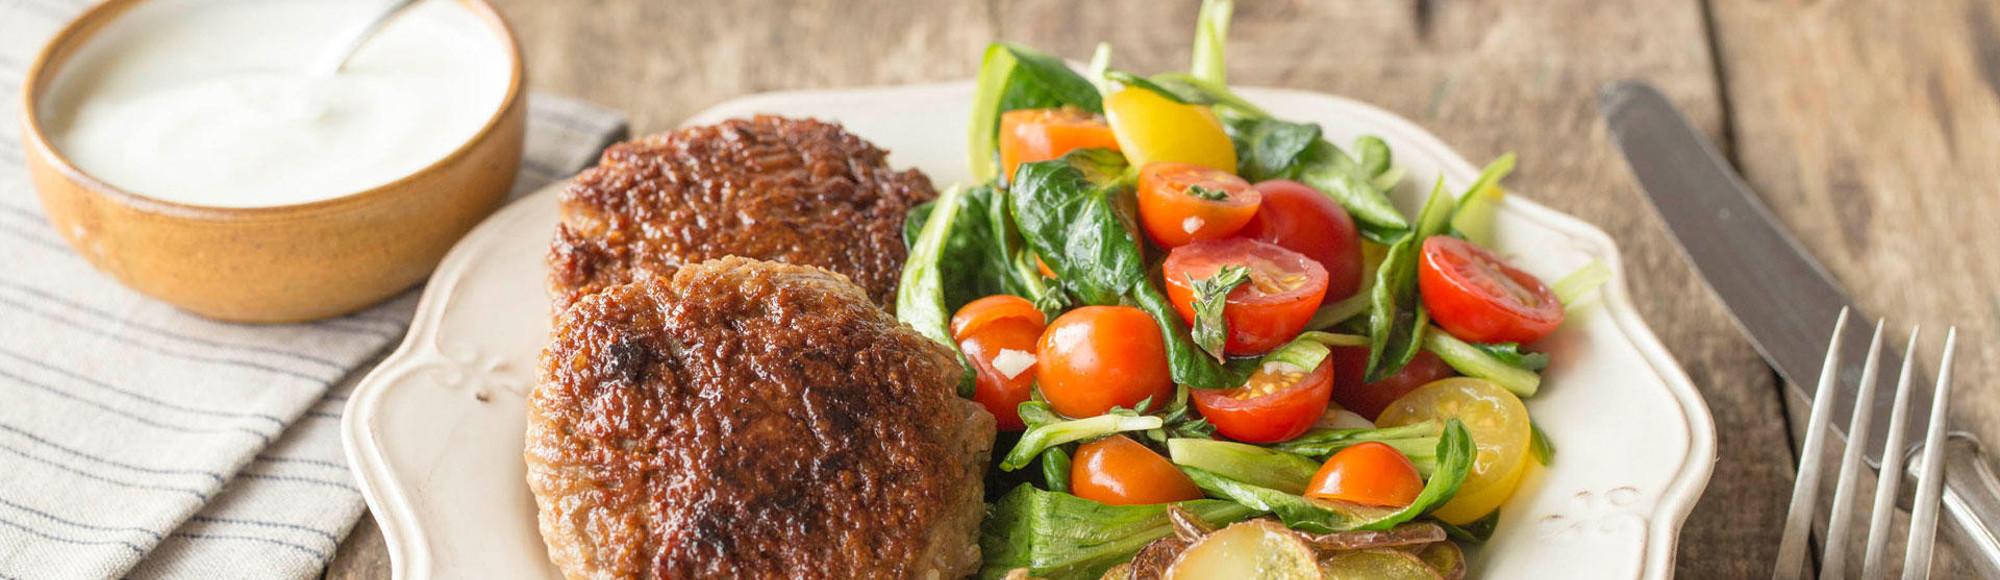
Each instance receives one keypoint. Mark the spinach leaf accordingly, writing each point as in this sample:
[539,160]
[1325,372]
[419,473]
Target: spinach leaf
[1011,78]
[1269,148]
[1076,213]
[1059,536]
[1396,320]
[982,254]
[1211,331]
[921,298]
[1042,437]
[1454,452]
[1349,182]
[1477,532]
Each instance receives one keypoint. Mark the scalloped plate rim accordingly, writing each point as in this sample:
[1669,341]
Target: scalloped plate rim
[408,543]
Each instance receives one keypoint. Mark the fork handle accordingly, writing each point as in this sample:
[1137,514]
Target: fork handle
[1971,503]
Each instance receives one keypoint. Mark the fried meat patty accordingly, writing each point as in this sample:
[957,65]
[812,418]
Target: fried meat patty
[751,419]
[791,190]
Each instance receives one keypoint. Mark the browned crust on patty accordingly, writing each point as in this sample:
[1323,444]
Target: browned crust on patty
[752,419]
[798,191]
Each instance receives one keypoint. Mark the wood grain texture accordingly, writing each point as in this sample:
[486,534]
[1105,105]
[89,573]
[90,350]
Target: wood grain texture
[1871,128]
[1487,77]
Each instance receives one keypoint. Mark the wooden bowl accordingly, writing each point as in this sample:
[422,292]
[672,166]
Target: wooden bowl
[274,264]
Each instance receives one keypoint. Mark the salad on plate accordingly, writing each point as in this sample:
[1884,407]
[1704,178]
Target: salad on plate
[1214,347]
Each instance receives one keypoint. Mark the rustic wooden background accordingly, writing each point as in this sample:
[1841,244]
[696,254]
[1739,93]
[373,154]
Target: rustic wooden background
[1871,127]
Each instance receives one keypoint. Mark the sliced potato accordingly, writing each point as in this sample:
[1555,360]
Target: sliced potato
[1153,560]
[1119,572]
[1377,564]
[1416,534]
[1252,550]
[1446,558]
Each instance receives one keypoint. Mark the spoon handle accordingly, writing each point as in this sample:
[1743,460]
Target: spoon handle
[342,51]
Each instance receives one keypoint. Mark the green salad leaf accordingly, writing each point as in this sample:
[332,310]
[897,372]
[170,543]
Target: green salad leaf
[1417,441]
[922,300]
[1077,214]
[1540,446]
[1252,464]
[1044,435]
[1269,148]
[1454,452]
[1055,469]
[1477,532]
[1505,365]
[1474,218]
[1321,517]
[1396,320]
[1058,536]
[1573,287]
[1013,78]
[1211,36]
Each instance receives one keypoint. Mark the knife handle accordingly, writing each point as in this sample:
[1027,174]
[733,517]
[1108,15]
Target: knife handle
[1971,503]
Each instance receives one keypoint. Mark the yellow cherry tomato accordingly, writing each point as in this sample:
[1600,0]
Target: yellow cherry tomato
[1152,128]
[1498,423]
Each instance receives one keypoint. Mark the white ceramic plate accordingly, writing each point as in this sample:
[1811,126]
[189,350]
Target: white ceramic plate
[435,433]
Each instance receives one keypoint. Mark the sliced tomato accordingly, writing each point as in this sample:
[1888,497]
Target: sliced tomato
[1369,399]
[1476,296]
[1285,288]
[1182,202]
[1030,135]
[1278,403]
[1119,471]
[1370,473]
[1501,432]
[1097,358]
[1304,220]
[978,313]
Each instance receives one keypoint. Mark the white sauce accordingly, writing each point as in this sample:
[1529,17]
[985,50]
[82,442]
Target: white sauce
[212,103]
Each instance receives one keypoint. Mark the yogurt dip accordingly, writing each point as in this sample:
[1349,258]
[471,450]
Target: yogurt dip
[214,103]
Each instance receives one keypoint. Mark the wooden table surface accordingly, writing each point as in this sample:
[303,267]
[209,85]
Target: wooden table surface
[1871,128]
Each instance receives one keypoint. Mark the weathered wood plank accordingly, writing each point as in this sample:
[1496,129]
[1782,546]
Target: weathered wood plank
[1870,128]
[1493,77]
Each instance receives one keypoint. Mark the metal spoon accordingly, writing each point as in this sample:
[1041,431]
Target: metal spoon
[335,59]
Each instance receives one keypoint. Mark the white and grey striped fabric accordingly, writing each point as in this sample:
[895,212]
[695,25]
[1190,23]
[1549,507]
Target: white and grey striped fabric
[139,441]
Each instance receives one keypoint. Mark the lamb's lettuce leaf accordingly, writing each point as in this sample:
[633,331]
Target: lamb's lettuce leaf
[1059,536]
[1454,451]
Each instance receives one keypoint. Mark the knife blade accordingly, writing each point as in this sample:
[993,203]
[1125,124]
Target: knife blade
[1779,296]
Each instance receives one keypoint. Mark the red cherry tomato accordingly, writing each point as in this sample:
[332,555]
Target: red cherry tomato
[998,336]
[979,313]
[1181,202]
[1119,471]
[1369,399]
[1303,220]
[1274,405]
[1262,314]
[1095,358]
[1030,135]
[1476,296]
[1370,473]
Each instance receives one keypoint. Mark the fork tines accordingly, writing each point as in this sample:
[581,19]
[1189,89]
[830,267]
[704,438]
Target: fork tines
[1930,483]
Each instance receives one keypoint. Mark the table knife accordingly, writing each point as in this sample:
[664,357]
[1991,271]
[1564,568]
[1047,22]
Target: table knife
[1779,295]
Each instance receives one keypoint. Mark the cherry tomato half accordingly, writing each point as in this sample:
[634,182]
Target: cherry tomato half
[1152,128]
[1370,473]
[1500,430]
[1095,358]
[998,336]
[1476,296]
[1181,202]
[1276,404]
[1030,135]
[1369,399]
[979,313]
[1119,471]
[1304,220]
[1262,314]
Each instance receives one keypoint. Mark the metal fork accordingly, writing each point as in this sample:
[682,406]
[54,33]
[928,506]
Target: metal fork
[1805,493]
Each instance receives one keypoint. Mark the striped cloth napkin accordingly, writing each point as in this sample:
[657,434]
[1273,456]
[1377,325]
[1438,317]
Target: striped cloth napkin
[139,441]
